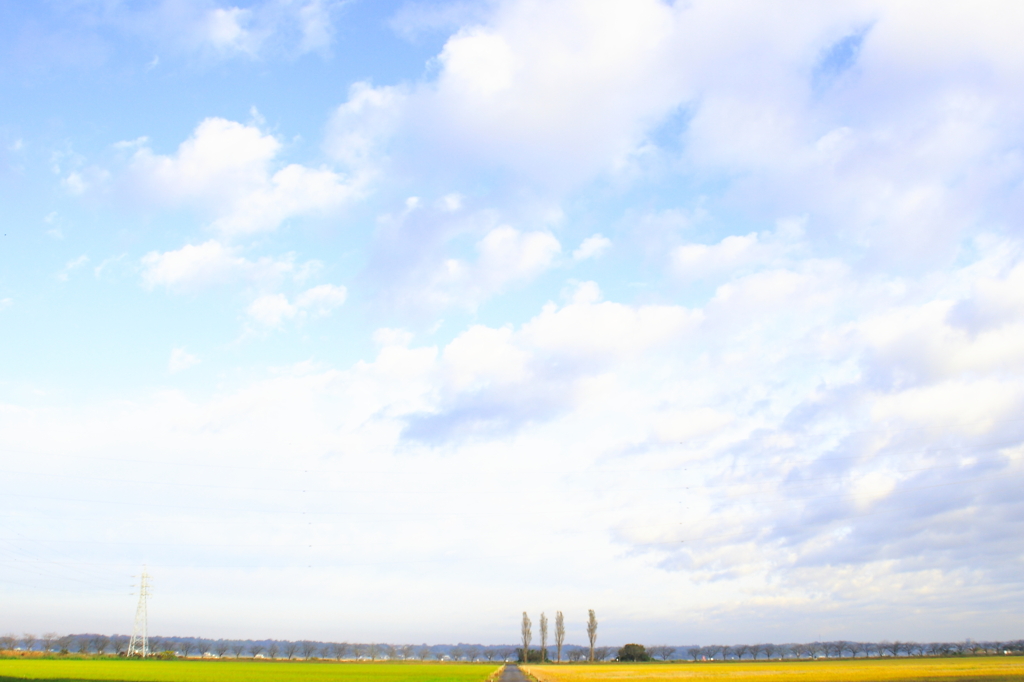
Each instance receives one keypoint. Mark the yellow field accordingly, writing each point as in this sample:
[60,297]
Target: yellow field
[982,669]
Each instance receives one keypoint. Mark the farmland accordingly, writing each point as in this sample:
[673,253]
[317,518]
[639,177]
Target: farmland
[237,671]
[981,669]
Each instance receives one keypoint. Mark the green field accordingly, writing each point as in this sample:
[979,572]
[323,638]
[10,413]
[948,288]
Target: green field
[979,669]
[119,670]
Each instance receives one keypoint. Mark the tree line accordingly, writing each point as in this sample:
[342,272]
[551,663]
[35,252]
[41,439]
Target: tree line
[94,644]
[97,644]
[836,649]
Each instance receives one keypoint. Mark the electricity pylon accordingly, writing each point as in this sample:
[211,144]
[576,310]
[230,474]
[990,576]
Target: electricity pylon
[139,644]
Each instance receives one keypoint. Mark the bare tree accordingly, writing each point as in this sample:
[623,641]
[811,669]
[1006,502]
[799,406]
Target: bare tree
[308,648]
[408,652]
[592,632]
[83,645]
[100,644]
[28,641]
[455,653]
[602,652]
[527,636]
[220,647]
[49,639]
[339,649]
[543,637]
[424,653]
[118,643]
[8,642]
[256,649]
[373,650]
[472,652]
[289,649]
[238,648]
[662,651]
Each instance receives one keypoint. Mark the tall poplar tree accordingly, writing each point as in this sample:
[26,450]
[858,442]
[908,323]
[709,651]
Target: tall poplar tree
[559,633]
[527,636]
[591,632]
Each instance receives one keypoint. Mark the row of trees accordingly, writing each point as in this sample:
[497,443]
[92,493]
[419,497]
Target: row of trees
[836,649]
[92,644]
[305,649]
[526,654]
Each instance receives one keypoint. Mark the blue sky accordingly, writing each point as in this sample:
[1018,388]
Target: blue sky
[385,321]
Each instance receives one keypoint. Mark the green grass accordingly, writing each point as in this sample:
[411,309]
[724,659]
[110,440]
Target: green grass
[119,670]
[972,669]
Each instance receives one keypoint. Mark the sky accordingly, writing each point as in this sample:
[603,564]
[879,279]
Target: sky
[390,320]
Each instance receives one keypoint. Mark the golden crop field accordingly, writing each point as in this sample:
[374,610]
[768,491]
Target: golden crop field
[120,670]
[981,669]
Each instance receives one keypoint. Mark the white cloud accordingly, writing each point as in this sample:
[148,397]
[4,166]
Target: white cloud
[695,261]
[592,247]
[737,253]
[320,300]
[316,26]
[197,266]
[91,179]
[555,90]
[181,360]
[360,128]
[508,255]
[272,310]
[505,257]
[715,455]
[71,266]
[223,29]
[228,170]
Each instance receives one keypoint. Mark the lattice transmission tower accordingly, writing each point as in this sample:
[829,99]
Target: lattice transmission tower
[139,644]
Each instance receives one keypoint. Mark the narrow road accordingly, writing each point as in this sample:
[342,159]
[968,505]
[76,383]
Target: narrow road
[512,673]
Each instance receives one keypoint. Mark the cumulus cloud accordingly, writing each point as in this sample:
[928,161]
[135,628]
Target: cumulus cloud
[228,170]
[555,91]
[505,257]
[499,379]
[320,300]
[592,247]
[224,29]
[360,129]
[272,310]
[195,266]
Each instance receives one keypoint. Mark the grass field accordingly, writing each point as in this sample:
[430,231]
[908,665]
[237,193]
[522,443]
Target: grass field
[981,669]
[117,670]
